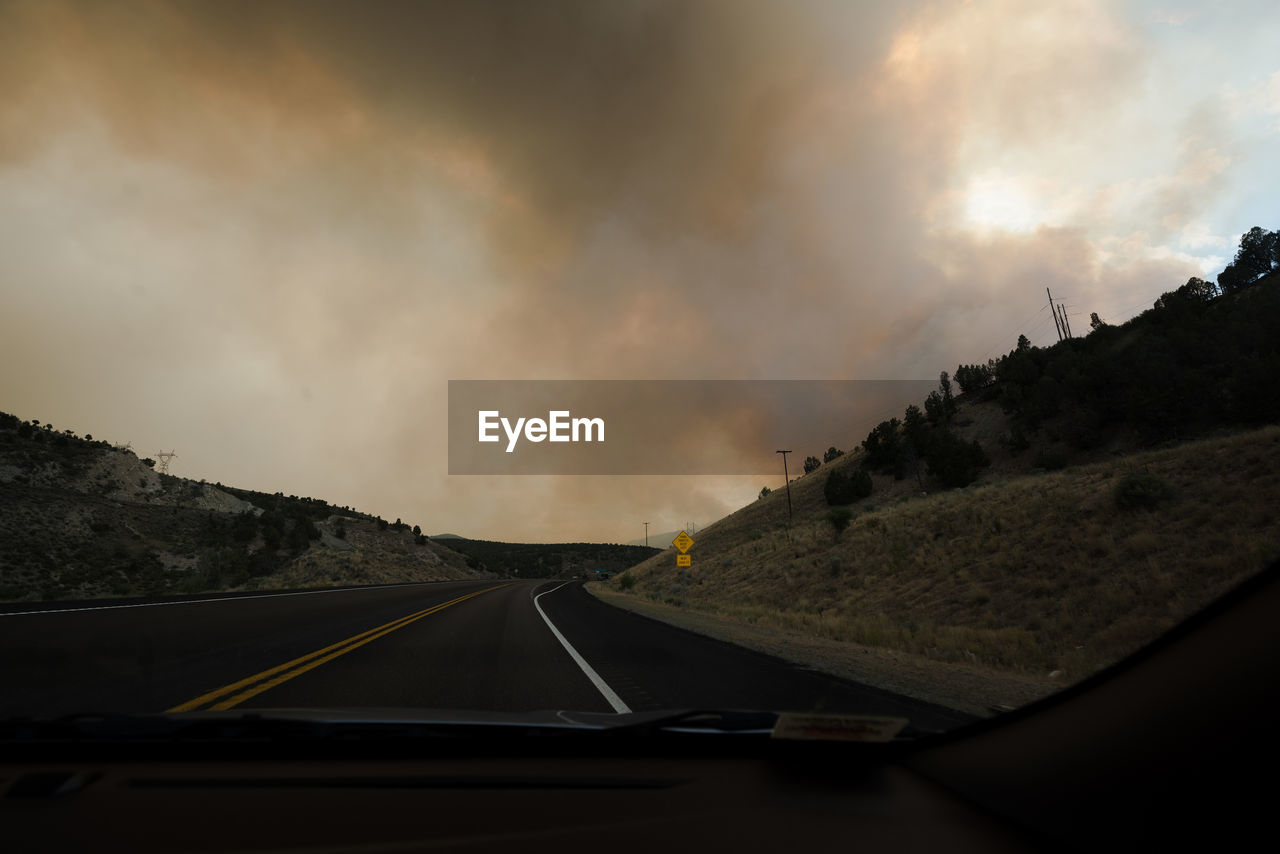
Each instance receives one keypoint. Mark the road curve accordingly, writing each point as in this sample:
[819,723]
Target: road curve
[448,645]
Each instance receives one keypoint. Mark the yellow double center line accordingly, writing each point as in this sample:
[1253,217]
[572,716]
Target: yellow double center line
[259,682]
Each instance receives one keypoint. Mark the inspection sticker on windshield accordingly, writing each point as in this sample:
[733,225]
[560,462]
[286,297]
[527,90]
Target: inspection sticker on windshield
[796,725]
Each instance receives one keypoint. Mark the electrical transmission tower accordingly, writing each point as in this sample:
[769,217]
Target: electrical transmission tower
[162,461]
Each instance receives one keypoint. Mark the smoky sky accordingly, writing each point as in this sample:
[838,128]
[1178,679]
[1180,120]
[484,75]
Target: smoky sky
[267,235]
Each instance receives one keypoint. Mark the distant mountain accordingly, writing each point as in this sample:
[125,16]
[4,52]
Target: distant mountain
[662,540]
[548,560]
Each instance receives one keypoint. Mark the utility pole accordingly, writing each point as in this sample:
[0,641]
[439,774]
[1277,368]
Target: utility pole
[1057,322]
[787,477]
[1066,324]
[646,535]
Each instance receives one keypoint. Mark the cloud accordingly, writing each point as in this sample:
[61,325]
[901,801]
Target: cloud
[270,239]
[1007,78]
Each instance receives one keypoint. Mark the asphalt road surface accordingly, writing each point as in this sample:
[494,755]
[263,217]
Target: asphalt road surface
[494,645]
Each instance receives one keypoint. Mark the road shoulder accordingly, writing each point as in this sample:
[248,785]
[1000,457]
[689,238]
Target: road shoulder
[963,687]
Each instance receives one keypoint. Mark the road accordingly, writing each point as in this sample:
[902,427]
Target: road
[493,645]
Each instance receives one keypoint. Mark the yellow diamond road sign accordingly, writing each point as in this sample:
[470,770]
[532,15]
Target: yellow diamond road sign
[682,541]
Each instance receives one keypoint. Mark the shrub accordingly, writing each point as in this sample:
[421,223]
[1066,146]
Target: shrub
[626,581]
[975,377]
[1050,460]
[953,461]
[838,489]
[839,518]
[940,406]
[261,564]
[811,464]
[1084,429]
[883,445]
[300,535]
[1142,491]
[244,527]
[764,490]
[1015,441]
[842,488]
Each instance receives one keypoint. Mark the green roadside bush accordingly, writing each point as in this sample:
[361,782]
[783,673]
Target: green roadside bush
[839,517]
[844,488]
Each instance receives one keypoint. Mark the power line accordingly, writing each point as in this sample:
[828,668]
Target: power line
[1034,331]
[1018,331]
[1135,309]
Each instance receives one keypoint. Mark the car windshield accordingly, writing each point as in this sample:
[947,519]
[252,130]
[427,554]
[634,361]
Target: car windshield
[554,361]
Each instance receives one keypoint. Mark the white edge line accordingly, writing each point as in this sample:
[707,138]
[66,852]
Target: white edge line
[603,687]
[246,598]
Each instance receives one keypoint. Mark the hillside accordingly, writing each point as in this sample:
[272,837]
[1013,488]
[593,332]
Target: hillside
[80,518]
[991,574]
[1124,480]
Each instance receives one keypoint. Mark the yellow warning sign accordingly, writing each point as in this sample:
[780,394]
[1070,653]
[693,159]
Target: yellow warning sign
[682,541]
[684,560]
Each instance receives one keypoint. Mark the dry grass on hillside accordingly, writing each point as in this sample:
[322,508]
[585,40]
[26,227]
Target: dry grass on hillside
[1036,573]
[81,521]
